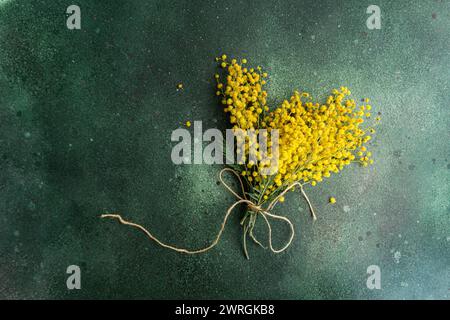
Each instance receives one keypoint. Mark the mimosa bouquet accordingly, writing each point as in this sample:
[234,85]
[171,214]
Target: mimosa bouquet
[307,140]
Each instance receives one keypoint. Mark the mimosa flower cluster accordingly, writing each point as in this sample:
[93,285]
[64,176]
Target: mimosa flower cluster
[315,139]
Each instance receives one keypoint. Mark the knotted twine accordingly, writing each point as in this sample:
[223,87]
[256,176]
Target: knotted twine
[253,207]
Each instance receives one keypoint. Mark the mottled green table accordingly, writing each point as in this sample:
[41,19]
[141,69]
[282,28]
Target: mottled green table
[85,123]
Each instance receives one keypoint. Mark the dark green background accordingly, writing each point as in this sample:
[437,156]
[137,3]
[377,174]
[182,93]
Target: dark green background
[85,124]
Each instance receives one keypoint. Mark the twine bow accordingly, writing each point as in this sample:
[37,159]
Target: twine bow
[254,210]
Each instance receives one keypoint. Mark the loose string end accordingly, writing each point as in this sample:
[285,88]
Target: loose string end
[112,216]
[313,214]
[245,243]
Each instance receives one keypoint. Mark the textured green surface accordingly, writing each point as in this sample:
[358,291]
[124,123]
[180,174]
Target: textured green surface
[85,124]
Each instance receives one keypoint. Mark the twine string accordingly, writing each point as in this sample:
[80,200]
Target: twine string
[248,227]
